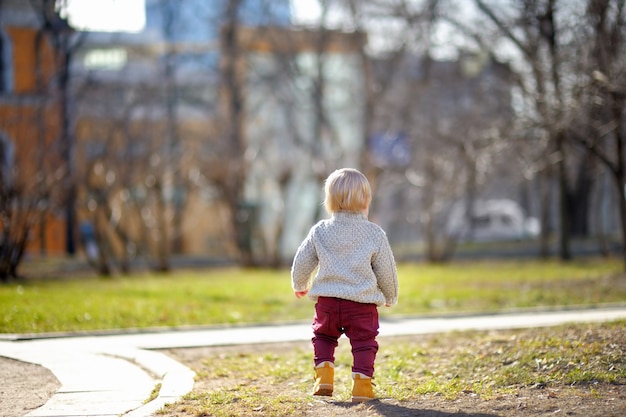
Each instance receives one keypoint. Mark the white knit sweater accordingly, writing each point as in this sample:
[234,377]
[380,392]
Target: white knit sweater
[354,258]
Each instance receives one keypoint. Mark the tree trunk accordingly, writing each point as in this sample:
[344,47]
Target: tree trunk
[580,198]
[232,184]
[620,171]
[564,221]
[544,181]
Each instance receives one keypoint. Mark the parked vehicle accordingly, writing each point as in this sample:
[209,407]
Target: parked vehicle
[492,220]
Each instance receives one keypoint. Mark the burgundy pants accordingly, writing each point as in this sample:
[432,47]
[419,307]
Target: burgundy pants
[359,322]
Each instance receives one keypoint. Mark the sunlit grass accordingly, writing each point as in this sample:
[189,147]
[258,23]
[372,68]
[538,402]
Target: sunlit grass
[278,379]
[490,363]
[233,295]
[500,285]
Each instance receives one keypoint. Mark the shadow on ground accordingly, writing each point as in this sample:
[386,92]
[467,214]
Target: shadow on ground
[394,410]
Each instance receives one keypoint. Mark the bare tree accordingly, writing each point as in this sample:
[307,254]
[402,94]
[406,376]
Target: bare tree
[570,55]
[36,169]
[536,41]
[285,93]
[58,33]
[128,182]
[600,127]
[450,116]
[23,194]
[232,181]
[140,145]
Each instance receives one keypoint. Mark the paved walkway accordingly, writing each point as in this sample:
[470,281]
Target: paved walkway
[113,375]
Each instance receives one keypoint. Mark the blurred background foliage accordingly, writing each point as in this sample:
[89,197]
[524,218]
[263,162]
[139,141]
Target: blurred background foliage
[205,128]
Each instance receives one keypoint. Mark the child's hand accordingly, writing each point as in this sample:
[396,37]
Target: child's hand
[387,305]
[301,294]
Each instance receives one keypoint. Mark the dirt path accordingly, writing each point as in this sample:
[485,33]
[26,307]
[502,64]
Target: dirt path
[24,387]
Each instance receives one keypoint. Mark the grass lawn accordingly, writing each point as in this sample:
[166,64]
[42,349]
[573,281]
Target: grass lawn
[232,295]
[572,370]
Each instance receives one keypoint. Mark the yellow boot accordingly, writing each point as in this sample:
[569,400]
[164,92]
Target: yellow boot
[324,379]
[362,389]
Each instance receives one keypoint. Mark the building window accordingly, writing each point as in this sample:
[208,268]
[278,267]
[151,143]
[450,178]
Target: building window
[6,66]
[111,59]
[6,161]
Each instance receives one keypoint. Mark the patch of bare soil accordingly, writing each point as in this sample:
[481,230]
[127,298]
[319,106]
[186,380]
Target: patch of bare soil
[598,400]
[24,387]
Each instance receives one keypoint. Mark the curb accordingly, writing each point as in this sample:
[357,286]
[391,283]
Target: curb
[177,380]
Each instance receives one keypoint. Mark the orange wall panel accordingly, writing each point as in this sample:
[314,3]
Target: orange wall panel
[26,62]
[53,228]
[32,131]
[33,125]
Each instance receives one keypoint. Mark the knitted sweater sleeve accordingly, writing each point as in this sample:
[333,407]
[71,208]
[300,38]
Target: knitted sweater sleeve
[304,263]
[384,267]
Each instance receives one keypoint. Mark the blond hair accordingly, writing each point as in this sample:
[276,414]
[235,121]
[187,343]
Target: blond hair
[347,189]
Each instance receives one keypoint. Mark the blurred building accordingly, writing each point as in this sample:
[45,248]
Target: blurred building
[294,141]
[152,102]
[31,164]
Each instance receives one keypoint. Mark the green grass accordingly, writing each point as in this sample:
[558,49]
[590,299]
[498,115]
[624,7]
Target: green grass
[491,363]
[277,379]
[232,295]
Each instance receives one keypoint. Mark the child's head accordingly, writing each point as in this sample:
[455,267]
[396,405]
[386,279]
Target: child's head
[347,189]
